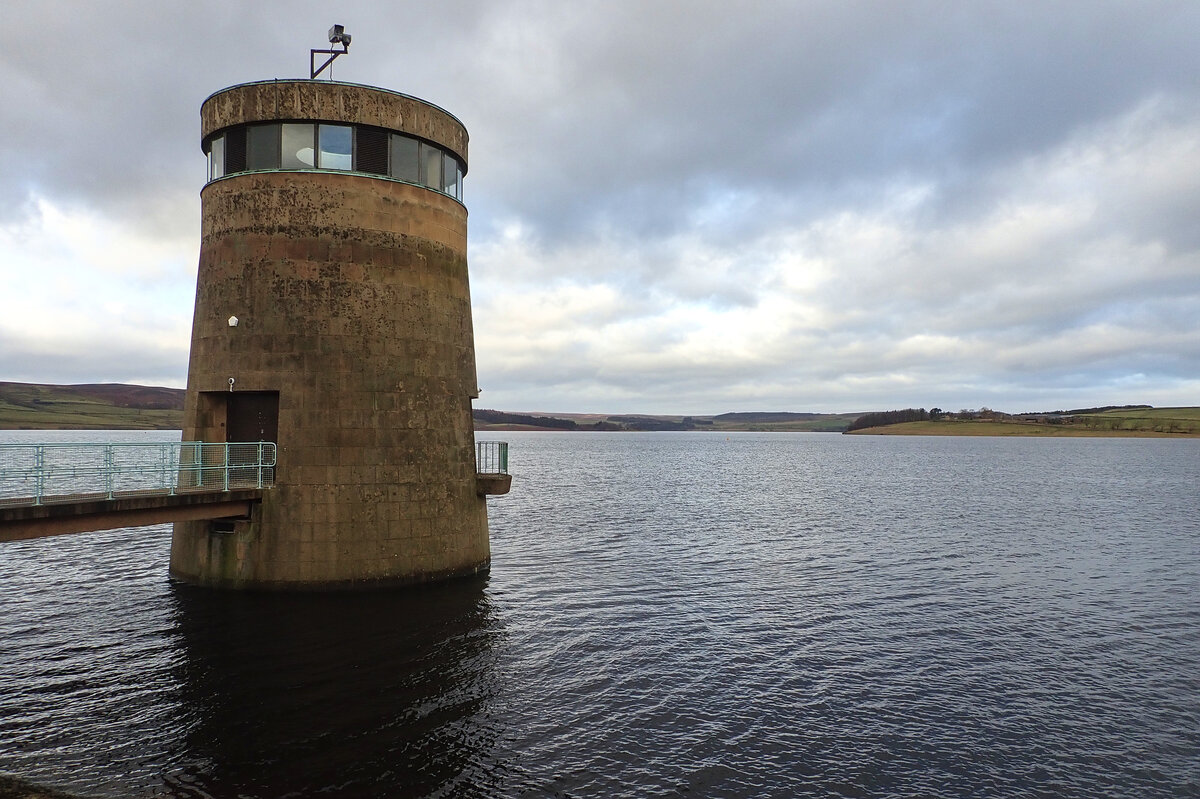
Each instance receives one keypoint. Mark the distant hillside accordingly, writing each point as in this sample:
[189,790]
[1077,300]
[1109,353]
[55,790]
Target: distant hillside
[1108,420]
[1101,409]
[765,417]
[95,406]
[114,406]
[724,423]
[783,422]
[500,420]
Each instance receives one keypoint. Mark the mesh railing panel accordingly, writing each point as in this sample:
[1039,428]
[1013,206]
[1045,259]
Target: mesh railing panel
[37,473]
[491,457]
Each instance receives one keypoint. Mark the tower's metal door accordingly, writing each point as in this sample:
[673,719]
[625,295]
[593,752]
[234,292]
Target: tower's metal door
[252,416]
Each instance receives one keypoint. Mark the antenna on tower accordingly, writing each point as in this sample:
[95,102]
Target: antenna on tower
[337,35]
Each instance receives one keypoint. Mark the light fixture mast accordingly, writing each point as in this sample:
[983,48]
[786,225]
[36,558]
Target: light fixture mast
[337,35]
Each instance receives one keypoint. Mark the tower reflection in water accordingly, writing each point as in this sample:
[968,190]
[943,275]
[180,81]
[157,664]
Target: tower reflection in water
[371,694]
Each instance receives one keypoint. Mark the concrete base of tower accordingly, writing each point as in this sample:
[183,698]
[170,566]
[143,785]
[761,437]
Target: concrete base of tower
[368,584]
[287,544]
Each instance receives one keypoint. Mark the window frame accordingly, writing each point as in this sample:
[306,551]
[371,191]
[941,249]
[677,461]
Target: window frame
[427,181]
[312,142]
[320,148]
[216,158]
[447,168]
[274,142]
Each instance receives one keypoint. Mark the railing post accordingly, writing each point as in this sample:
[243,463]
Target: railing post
[39,465]
[226,465]
[260,463]
[108,469]
[491,457]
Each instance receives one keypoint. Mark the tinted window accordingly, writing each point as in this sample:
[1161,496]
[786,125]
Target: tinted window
[315,145]
[450,174]
[371,150]
[235,150]
[431,166]
[404,159]
[298,150]
[336,146]
[262,147]
[216,158]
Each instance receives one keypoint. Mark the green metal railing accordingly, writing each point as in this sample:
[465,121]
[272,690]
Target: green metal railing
[40,473]
[491,457]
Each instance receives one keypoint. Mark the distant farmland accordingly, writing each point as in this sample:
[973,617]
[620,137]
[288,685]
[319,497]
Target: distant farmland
[113,406]
[1143,422]
[104,406]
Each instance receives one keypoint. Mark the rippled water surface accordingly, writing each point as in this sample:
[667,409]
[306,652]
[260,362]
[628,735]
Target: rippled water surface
[702,615]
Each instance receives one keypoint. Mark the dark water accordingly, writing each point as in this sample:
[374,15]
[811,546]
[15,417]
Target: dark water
[667,615]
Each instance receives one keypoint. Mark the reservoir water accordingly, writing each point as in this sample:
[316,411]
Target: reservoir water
[667,615]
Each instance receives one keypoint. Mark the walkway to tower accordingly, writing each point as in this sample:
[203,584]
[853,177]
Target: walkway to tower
[51,489]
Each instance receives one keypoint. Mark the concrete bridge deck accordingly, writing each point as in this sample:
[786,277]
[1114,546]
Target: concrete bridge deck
[66,514]
[56,488]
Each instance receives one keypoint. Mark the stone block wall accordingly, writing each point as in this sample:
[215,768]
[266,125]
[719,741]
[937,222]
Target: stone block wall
[353,303]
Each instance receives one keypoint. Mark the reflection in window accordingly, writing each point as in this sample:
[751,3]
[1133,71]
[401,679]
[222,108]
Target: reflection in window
[404,159]
[431,166]
[216,158]
[336,147]
[449,175]
[298,150]
[315,145]
[262,147]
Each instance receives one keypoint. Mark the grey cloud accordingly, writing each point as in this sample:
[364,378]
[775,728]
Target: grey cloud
[102,104]
[603,114]
[675,154]
[107,361]
[820,100]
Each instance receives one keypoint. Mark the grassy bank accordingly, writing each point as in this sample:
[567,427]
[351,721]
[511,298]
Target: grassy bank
[1181,421]
[1148,423]
[30,406]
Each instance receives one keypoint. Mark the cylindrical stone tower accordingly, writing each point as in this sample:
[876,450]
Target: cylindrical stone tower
[334,231]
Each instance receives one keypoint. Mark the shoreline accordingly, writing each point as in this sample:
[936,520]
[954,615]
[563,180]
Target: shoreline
[1010,430]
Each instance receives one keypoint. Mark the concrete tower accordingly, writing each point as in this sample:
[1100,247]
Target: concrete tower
[334,231]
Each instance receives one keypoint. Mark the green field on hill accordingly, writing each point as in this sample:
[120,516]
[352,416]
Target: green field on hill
[758,422]
[1163,420]
[111,406]
[1136,423]
[29,406]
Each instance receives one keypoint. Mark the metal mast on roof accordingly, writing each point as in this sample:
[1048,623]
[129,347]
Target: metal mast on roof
[337,35]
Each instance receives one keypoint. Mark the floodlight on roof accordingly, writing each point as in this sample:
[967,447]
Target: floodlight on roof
[337,35]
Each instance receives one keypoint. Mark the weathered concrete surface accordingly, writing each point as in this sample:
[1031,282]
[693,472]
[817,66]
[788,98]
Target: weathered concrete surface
[492,484]
[22,522]
[353,303]
[327,101]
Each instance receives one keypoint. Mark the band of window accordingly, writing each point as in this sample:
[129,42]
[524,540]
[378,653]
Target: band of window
[348,148]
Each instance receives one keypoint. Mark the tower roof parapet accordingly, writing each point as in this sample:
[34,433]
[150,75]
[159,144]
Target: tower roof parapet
[331,101]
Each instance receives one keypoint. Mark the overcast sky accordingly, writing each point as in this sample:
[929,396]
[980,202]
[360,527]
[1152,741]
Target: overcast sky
[690,207]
